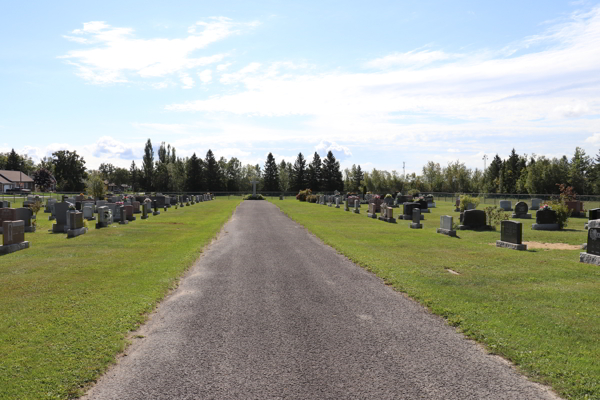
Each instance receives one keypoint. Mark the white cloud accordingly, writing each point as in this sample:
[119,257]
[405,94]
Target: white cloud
[223,67]
[115,54]
[243,73]
[413,58]
[594,139]
[339,151]
[205,76]
[186,81]
[477,95]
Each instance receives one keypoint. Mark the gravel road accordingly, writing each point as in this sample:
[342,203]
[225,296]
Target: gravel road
[270,312]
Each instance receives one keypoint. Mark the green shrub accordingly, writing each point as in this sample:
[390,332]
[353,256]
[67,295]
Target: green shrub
[495,216]
[303,194]
[562,213]
[412,192]
[312,198]
[466,199]
[254,197]
[388,196]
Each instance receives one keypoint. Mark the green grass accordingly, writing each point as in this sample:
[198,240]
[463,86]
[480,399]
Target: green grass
[67,305]
[538,308]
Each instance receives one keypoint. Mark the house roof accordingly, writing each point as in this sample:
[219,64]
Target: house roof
[4,181]
[15,176]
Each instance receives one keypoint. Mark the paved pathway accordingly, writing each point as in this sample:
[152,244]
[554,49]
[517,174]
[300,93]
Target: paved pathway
[271,312]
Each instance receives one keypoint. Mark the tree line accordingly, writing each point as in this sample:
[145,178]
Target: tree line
[517,174]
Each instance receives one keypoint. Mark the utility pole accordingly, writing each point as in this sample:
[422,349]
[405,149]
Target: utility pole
[485,157]
[403,170]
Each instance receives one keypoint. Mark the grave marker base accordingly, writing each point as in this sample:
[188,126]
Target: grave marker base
[356,211]
[91,219]
[584,246]
[521,216]
[71,233]
[473,228]
[123,222]
[430,205]
[409,217]
[447,232]
[56,228]
[371,215]
[416,226]
[390,220]
[545,227]
[11,248]
[589,258]
[146,217]
[457,210]
[51,218]
[425,211]
[30,229]
[508,245]
[156,213]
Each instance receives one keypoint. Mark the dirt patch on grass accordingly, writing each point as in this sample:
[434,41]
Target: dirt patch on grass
[552,246]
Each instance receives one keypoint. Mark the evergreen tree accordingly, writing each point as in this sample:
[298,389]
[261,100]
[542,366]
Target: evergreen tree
[148,165]
[299,175]
[314,173]
[212,173]
[492,175]
[193,182]
[357,178]
[13,162]
[331,174]
[578,171]
[284,176]
[134,176]
[271,175]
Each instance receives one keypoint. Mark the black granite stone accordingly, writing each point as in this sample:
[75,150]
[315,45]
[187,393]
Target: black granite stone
[423,204]
[474,218]
[408,207]
[511,232]
[594,213]
[593,241]
[546,217]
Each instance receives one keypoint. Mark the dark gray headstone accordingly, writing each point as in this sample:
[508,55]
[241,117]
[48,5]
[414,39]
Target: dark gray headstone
[521,208]
[408,207]
[512,232]
[423,204]
[594,213]
[593,241]
[546,217]
[474,218]
[416,216]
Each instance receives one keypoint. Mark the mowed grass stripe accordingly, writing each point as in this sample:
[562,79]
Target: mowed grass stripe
[540,308]
[66,305]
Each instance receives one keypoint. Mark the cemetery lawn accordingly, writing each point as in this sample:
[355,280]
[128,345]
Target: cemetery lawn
[538,308]
[67,305]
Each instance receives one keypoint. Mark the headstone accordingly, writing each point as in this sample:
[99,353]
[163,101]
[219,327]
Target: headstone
[457,205]
[4,204]
[145,210]
[545,220]
[535,204]
[49,204]
[389,201]
[416,219]
[253,187]
[136,207]
[446,225]
[346,207]
[521,209]
[337,202]
[506,205]
[116,211]
[123,220]
[155,206]
[576,208]
[356,209]
[592,253]
[387,214]
[372,213]
[407,213]
[88,212]
[61,224]
[423,206]
[7,214]
[13,237]
[76,227]
[474,219]
[511,236]
[104,217]
[100,203]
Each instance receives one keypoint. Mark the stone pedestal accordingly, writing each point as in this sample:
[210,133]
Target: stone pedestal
[589,258]
[521,216]
[545,227]
[11,248]
[447,232]
[416,226]
[508,245]
[71,233]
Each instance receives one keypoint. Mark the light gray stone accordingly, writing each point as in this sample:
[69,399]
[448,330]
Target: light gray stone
[535,204]
[508,245]
[545,227]
[589,258]
[506,205]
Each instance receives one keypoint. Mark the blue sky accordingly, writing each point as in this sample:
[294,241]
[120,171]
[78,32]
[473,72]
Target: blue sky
[379,83]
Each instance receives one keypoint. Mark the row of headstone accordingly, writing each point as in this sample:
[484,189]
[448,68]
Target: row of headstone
[18,214]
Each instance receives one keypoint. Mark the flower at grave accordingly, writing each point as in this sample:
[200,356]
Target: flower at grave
[388,196]
[545,207]
[377,196]
[147,200]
